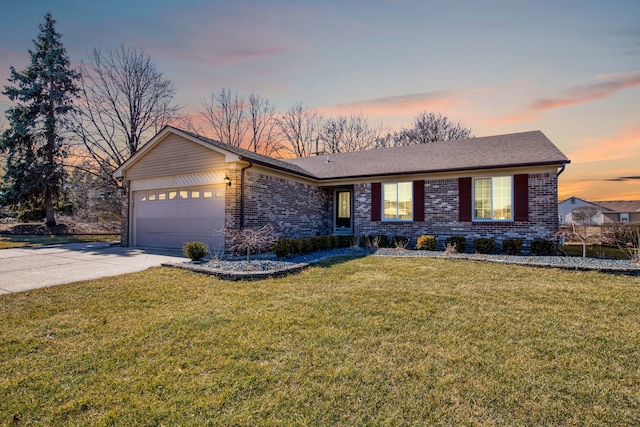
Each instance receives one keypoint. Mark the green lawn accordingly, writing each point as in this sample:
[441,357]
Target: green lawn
[18,240]
[595,251]
[371,341]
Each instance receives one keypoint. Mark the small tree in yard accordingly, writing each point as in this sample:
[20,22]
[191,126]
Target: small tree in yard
[580,233]
[579,230]
[250,241]
[627,238]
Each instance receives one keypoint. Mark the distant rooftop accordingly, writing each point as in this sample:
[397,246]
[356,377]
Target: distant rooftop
[621,206]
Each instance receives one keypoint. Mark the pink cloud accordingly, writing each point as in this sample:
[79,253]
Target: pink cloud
[397,105]
[612,84]
[609,85]
[621,146]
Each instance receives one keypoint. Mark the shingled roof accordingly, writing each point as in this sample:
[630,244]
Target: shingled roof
[501,151]
[517,149]
[620,205]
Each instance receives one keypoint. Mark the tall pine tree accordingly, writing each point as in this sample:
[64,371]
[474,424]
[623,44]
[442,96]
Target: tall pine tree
[33,142]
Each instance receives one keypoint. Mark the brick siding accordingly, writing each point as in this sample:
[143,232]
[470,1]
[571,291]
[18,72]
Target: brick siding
[294,208]
[442,220]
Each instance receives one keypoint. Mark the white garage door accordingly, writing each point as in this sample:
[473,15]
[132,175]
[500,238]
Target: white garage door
[168,218]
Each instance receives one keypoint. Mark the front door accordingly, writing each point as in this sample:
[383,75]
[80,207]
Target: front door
[343,207]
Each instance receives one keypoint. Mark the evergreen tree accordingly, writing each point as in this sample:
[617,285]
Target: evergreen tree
[33,141]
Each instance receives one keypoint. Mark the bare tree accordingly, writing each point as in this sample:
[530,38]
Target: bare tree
[299,128]
[626,236]
[430,127]
[584,214]
[344,134]
[251,241]
[261,115]
[125,100]
[580,230]
[225,111]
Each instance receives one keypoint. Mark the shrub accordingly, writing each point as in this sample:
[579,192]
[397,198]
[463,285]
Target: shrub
[459,241]
[371,241]
[283,247]
[484,245]
[427,243]
[286,246]
[450,249]
[364,240]
[32,215]
[512,246]
[344,241]
[400,242]
[325,242]
[195,251]
[542,247]
[305,245]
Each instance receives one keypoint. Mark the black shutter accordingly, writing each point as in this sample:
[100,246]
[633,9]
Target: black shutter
[521,197]
[465,203]
[418,200]
[376,201]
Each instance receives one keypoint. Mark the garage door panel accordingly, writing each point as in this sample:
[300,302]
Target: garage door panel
[168,218]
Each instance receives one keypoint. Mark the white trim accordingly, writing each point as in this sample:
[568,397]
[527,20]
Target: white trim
[473,199]
[189,180]
[120,172]
[396,219]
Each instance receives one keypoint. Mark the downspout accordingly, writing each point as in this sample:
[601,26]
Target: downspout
[242,193]
[564,165]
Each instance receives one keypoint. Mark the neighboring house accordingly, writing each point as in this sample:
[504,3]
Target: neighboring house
[566,212]
[183,187]
[606,211]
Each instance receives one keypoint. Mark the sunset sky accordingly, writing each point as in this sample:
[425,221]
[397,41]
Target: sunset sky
[568,68]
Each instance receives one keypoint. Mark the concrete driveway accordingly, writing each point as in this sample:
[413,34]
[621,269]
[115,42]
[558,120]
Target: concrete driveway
[22,269]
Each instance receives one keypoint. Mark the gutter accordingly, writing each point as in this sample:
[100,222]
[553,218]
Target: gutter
[242,193]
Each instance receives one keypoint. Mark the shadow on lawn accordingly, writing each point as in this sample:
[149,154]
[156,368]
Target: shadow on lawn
[339,259]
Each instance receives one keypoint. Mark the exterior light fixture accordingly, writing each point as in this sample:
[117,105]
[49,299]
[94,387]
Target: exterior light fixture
[227,180]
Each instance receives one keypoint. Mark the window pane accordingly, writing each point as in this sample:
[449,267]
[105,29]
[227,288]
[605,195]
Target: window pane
[162,195]
[195,194]
[172,194]
[502,198]
[344,204]
[184,194]
[482,198]
[390,192]
[207,194]
[398,201]
[405,200]
[152,197]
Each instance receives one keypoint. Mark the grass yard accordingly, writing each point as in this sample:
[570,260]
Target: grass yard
[595,251]
[371,341]
[19,240]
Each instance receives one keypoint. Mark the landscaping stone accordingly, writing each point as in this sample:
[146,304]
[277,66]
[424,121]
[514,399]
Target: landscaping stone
[268,265]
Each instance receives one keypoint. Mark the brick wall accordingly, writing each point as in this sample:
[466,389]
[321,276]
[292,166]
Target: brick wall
[441,215]
[295,209]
